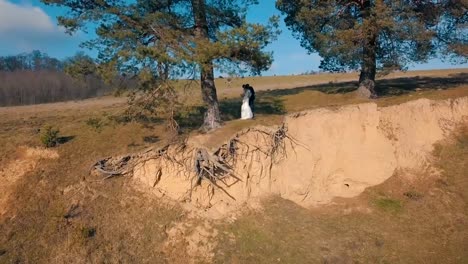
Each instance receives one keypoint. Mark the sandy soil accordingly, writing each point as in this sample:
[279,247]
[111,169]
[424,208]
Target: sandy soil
[325,153]
[28,159]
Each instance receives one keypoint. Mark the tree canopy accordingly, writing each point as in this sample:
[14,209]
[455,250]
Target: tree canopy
[378,35]
[160,40]
[32,61]
[80,65]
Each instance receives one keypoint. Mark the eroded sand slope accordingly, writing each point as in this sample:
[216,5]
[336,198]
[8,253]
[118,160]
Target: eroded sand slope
[355,147]
[317,155]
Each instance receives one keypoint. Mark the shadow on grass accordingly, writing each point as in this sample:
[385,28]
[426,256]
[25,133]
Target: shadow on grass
[151,139]
[400,86]
[267,105]
[270,102]
[63,140]
[192,118]
[140,117]
[386,87]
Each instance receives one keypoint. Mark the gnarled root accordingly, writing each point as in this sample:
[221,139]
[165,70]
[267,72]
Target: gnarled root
[228,165]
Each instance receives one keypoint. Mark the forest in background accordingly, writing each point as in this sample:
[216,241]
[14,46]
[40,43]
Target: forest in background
[35,78]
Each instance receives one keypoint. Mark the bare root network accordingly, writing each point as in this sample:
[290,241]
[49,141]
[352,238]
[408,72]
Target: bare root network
[219,168]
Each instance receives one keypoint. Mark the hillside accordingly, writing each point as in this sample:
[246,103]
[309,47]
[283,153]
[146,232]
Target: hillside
[350,180]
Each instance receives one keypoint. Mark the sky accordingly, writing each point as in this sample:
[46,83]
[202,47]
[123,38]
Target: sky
[27,25]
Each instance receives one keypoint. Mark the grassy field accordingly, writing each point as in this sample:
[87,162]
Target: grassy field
[396,222]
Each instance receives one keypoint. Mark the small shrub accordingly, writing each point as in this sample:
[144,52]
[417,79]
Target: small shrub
[95,123]
[88,232]
[49,136]
[389,205]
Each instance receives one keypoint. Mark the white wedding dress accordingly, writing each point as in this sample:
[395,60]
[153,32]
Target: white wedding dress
[246,112]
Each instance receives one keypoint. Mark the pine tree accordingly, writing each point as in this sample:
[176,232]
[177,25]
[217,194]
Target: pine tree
[159,40]
[377,35]
[80,66]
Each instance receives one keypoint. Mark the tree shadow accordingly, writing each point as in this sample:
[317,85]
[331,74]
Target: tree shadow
[328,88]
[192,118]
[151,139]
[124,118]
[63,140]
[270,102]
[400,86]
[269,105]
[384,87]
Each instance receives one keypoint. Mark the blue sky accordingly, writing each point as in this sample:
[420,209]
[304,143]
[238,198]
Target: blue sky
[27,25]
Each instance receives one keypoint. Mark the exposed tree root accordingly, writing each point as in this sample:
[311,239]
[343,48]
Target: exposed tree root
[218,169]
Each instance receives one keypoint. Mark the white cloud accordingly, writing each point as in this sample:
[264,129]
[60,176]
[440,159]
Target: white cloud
[24,18]
[25,27]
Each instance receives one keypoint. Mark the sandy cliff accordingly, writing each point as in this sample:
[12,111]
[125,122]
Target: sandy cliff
[315,156]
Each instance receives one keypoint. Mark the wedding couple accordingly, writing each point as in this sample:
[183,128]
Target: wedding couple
[248,99]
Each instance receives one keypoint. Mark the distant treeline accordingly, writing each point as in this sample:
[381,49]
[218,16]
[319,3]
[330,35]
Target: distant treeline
[34,78]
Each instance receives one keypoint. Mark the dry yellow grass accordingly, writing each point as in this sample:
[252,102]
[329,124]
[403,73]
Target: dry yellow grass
[129,227]
[233,89]
[400,87]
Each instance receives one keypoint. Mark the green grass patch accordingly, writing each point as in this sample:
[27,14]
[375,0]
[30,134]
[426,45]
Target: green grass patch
[389,205]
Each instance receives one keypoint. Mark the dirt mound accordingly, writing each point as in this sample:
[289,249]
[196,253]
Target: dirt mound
[27,160]
[313,157]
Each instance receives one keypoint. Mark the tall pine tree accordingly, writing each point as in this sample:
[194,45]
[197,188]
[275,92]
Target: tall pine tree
[158,40]
[377,35]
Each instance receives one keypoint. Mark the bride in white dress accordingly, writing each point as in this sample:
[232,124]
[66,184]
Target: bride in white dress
[246,111]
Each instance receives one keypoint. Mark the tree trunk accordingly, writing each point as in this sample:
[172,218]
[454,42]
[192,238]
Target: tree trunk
[368,68]
[212,118]
[367,77]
